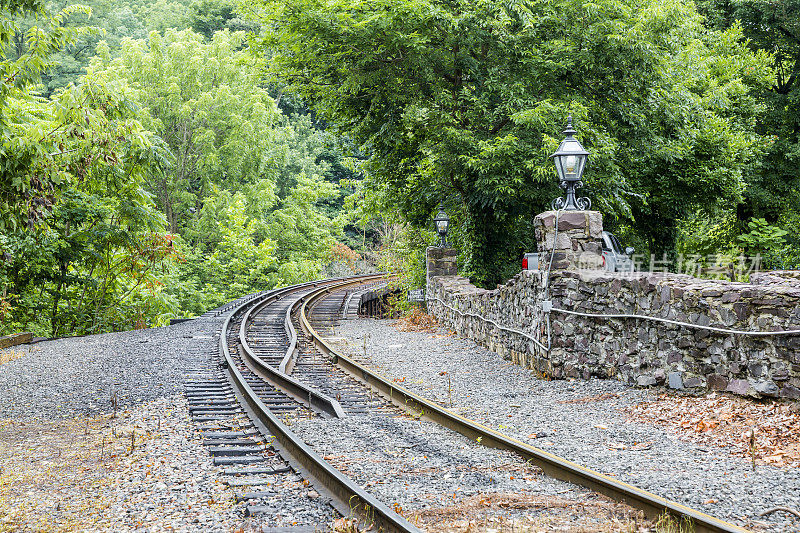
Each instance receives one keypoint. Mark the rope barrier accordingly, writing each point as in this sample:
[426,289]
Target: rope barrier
[490,321]
[678,323]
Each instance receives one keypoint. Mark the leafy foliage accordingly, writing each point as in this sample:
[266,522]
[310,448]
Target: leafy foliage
[113,21]
[401,250]
[763,239]
[203,99]
[148,170]
[80,239]
[463,101]
[175,118]
[773,184]
[246,181]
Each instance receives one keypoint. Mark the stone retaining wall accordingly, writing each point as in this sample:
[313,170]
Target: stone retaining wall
[457,304]
[15,339]
[637,351]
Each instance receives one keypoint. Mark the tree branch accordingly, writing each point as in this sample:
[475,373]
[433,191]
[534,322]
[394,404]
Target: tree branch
[500,125]
[789,35]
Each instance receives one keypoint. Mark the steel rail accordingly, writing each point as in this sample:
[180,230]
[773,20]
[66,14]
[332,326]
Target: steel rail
[298,391]
[557,467]
[287,363]
[348,497]
[347,304]
[289,360]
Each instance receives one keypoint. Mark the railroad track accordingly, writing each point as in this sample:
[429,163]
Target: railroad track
[246,405]
[275,367]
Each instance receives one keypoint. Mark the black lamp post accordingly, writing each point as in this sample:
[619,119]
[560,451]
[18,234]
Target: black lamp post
[570,160]
[442,221]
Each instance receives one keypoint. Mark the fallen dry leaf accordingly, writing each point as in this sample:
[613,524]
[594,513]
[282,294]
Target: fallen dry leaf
[418,320]
[727,421]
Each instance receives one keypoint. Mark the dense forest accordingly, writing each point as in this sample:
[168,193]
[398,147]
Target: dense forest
[161,157]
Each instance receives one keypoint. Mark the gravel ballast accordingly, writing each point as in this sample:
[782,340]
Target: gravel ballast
[95,435]
[142,469]
[421,469]
[87,375]
[79,382]
[481,385]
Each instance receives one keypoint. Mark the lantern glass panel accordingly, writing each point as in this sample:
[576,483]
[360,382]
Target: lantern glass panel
[570,166]
[441,226]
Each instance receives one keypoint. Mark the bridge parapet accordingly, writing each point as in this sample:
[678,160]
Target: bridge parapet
[642,328]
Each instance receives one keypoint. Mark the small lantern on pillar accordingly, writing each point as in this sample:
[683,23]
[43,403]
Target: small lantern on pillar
[442,222]
[570,160]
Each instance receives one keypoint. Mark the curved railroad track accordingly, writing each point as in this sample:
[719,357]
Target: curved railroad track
[275,367]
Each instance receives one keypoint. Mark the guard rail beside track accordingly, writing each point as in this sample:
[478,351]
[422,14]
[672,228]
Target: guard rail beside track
[348,497]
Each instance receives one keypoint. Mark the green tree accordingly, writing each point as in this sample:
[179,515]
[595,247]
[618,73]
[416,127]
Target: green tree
[244,175]
[304,235]
[464,101]
[237,264]
[109,21]
[254,241]
[764,240]
[80,240]
[773,187]
[204,100]
[210,16]
[49,145]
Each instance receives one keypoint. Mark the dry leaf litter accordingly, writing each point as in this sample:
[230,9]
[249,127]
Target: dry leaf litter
[144,469]
[727,421]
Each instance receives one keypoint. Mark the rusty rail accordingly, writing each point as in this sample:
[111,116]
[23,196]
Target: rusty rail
[348,497]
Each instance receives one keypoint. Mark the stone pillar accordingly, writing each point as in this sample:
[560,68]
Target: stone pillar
[578,244]
[440,261]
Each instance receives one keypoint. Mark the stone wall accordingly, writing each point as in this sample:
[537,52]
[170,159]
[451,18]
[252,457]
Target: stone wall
[638,351]
[783,277]
[458,305]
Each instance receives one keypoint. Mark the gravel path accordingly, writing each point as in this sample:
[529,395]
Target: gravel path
[484,387]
